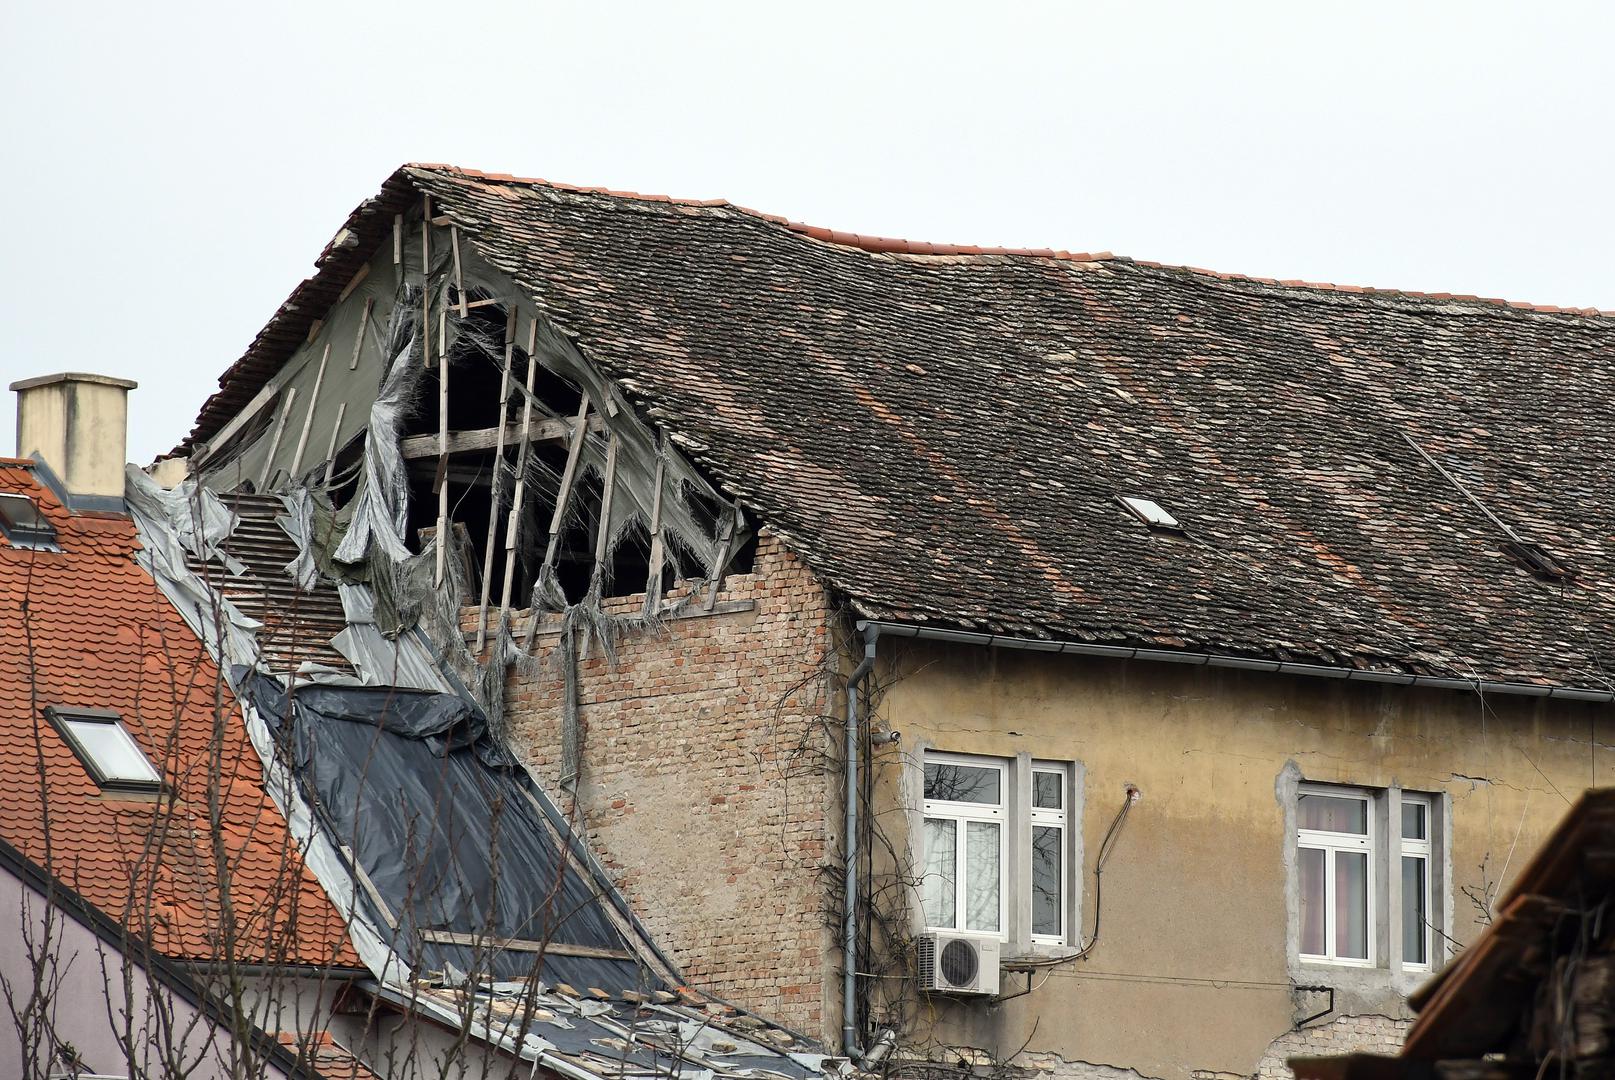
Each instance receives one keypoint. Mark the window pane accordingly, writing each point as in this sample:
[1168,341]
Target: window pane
[1313,941]
[1333,813]
[1415,940]
[1351,904]
[941,856]
[113,750]
[961,783]
[1048,790]
[1413,820]
[1046,880]
[981,876]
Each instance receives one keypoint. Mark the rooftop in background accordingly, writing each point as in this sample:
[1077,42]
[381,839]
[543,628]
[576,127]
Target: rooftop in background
[85,630]
[942,431]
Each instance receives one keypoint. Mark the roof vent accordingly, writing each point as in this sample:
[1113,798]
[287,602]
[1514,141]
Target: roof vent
[1536,559]
[23,524]
[1150,513]
[1533,557]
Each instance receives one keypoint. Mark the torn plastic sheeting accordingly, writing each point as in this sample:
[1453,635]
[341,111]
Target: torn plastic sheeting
[381,660]
[298,523]
[158,515]
[205,611]
[192,516]
[381,510]
[446,829]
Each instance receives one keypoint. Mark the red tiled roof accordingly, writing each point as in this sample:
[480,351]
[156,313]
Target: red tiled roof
[327,1057]
[86,627]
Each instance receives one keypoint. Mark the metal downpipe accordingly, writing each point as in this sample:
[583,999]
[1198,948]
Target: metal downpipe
[849,930]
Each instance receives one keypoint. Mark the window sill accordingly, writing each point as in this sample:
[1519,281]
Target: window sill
[1326,962]
[1038,954]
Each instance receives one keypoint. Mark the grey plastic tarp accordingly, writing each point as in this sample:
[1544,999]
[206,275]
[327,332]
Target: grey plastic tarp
[449,830]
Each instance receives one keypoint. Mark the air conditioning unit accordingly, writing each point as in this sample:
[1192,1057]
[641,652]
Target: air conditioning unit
[958,964]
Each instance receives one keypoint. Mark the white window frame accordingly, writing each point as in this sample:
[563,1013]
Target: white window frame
[1046,818]
[1331,843]
[64,720]
[961,813]
[1422,850]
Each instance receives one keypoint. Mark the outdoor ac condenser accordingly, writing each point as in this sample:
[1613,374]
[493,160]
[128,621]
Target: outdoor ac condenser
[958,964]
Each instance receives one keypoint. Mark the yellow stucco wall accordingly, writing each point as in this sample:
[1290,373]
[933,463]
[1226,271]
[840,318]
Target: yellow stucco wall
[1193,971]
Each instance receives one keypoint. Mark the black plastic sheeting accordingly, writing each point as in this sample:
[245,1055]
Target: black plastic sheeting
[448,828]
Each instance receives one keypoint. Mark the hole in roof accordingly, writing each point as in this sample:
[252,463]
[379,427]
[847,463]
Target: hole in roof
[1150,513]
[23,524]
[109,753]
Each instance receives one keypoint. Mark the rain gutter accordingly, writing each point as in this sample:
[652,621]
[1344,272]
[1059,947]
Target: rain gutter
[1242,663]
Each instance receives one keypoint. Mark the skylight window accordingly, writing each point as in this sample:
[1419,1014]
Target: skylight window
[108,751]
[23,524]
[1150,513]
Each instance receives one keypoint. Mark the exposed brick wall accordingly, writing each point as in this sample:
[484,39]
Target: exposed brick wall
[1369,1034]
[704,787]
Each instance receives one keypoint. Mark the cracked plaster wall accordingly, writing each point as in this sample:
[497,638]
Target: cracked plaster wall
[1194,973]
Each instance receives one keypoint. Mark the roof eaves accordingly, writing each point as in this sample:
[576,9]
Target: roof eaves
[172,974]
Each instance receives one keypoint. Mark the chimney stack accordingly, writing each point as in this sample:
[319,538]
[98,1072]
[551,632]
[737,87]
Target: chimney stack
[78,424]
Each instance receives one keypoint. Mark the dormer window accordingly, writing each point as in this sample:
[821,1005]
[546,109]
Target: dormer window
[109,753]
[23,525]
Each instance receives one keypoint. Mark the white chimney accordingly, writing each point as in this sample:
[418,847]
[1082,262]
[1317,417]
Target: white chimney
[78,424]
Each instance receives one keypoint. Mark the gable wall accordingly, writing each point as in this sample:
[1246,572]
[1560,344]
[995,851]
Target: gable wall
[704,784]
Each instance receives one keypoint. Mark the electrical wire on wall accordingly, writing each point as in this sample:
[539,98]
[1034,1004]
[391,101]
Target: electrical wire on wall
[1107,847]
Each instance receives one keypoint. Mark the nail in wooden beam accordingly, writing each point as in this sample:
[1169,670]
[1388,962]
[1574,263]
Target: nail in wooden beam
[358,340]
[604,531]
[653,580]
[398,239]
[274,442]
[564,492]
[513,525]
[442,459]
[459,281]
[308,416]
[330,451]
[498,488]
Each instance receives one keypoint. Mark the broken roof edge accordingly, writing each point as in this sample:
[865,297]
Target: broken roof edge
[366,225]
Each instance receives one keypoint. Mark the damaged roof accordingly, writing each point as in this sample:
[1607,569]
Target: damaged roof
[83,629]
[943,433]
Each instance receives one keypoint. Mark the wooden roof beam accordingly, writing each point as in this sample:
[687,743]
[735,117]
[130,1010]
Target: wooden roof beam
[542,431]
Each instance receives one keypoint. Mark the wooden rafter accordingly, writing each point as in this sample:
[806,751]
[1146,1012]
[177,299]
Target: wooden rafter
[498,488]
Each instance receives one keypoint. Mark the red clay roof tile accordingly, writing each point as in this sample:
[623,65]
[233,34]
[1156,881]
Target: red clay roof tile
[86,627]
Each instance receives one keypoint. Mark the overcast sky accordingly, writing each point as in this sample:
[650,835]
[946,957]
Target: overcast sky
[171,170]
